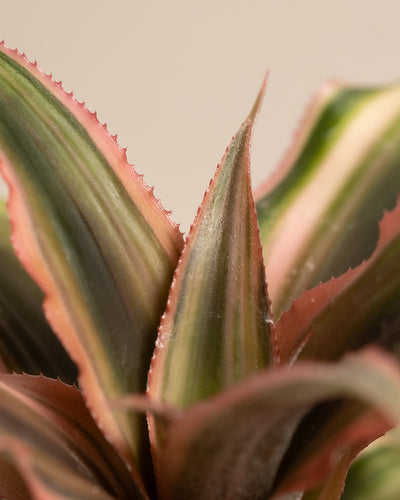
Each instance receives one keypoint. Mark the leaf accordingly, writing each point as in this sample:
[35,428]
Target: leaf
[359,307]
[215,331]
[42,481]
[46,426]
[27,343]
[91,234]
[232,446]
[321,450]
[318,216]
[375,473]
[13,486]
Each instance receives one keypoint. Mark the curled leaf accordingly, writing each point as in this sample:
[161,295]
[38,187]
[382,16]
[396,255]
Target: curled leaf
[51,423]
[232,446]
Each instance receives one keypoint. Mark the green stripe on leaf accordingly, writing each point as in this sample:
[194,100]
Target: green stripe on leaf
[236,441]
[216,328]
[46,431]
[375,473]
[321,218]
[93,237]
[359,307]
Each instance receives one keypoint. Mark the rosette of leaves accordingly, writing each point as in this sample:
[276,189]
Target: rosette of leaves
[254,360]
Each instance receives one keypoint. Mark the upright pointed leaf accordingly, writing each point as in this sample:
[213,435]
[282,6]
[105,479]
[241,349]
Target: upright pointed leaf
[27,343]
[359,307]
[215,331]
[92,235]
[319,216]
[232,445]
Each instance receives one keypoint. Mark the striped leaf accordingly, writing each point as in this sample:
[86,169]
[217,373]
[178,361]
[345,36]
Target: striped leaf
[324,444]
[359,307]
[215,331]
[318,215]
[48,434]
[27,344]
[41,480]
[375,473]
[232,446]
[91,234]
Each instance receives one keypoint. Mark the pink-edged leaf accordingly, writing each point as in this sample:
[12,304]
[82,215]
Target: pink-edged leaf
[141,403]
[324,445]
[360,306]
[51,421]
[92,235]
[27,343]
[333,485]
[12,486]
[319,214]
[215,331]
[346,447]
[336,485]
[233,445]
[375,472]
[34,477]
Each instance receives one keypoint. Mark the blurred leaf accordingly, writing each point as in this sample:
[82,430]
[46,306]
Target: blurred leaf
[375,473]
[215,331]
[318,215]
[93,237]
[43,481]
[12,485]
[232,445]
[27,343]
[360,306]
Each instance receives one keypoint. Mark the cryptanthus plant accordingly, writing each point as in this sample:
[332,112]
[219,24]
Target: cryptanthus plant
[255,360]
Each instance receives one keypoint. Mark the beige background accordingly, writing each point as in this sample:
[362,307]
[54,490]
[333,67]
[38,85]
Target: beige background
[176,78]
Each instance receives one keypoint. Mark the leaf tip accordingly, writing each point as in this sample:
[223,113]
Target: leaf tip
[259,100]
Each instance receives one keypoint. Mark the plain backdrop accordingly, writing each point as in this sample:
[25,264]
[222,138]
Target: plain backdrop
[176,78]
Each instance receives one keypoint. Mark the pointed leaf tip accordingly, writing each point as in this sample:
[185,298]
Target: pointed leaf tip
[216,329]
[255,110]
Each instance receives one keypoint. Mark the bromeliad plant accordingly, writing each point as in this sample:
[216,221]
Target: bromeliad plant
[165,370]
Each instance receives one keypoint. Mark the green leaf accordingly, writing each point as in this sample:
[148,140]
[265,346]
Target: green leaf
[359,307]
[232,446]
[27,343]
[45,423]
[215,331]
[318,216]
[93,237]
[375,473]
